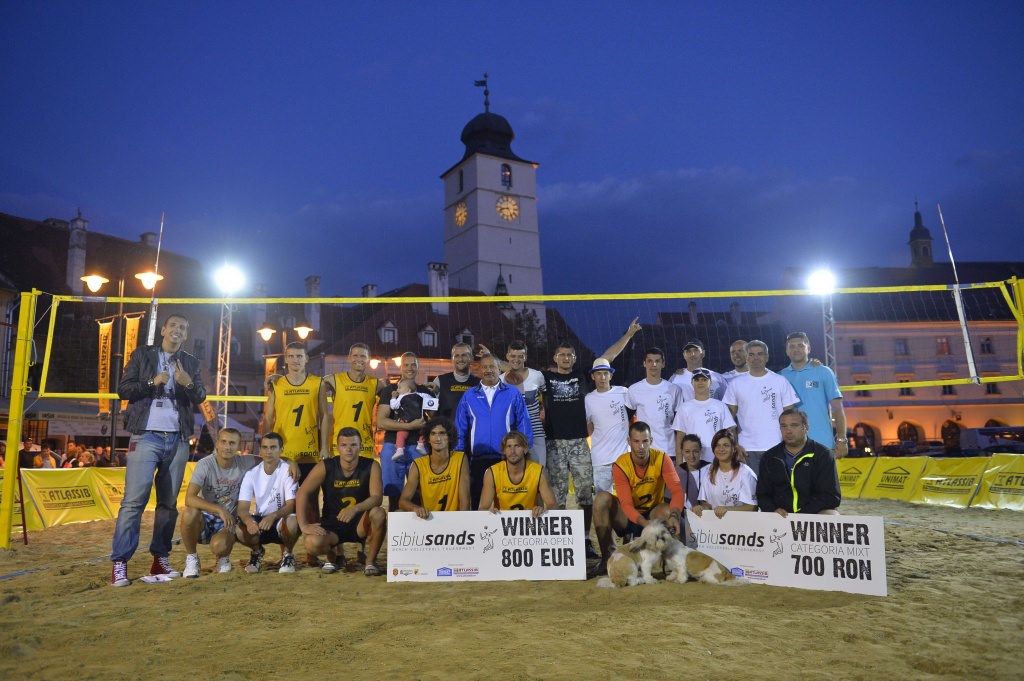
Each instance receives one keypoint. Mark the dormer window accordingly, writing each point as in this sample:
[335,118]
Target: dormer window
[388,333]
[506,175]
[428,337]
[465,336]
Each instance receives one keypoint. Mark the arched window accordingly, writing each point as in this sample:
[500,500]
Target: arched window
[506,175]
[865,439]
[950,436]
[909,433]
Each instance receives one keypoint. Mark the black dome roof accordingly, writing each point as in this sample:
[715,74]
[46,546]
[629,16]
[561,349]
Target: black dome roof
[488,133]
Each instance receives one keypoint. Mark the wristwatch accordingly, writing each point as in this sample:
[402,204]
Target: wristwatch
[150,383]
[841,439]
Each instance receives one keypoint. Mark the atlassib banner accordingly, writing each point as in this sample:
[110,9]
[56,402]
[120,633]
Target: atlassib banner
[64,496]
[1002,486]
[893,477]
[103,368]
[110,484]
[461,546]
[827,553]
[853,473]
[949,482]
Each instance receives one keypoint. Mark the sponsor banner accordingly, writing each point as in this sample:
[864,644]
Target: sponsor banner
[828,553]
[131,340]
[103,375]
[460,546]
[64,496]
[949,482]
[110,484]
[853,473]
[893,477]
[1002,485]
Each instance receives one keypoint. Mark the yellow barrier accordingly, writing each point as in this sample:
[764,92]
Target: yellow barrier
[893,478]
[1002,486]
[949,482]
[853,474]
[34,521]
[64,496]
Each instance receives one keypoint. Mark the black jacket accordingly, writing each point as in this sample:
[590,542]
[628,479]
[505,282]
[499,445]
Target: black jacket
[134,387]
[815,481]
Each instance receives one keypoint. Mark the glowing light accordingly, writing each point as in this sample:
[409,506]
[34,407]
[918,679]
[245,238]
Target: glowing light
[822,282]
[94,282]
[149,279]
[229,279]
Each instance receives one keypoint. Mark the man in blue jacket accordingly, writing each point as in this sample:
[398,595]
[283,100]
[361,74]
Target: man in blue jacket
[485,414]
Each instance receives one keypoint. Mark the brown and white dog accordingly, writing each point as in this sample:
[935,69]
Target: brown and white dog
[633,563]
[683,563]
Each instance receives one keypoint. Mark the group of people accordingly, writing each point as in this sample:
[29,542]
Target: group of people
[510,438]
[45,455]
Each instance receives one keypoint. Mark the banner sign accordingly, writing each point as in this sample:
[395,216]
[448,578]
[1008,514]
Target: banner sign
[1002,485]
[459,546]
[103,382]
[110,484]
[131,341]
[64,496]
[893,478]
[823,552]
[949,482]
[853,473]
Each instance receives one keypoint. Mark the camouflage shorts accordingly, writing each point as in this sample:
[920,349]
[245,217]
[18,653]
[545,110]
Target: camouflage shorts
[571,456]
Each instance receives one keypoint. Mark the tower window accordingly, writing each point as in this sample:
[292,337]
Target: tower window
[986,346]
[462,184]
[506,175]
[858,347]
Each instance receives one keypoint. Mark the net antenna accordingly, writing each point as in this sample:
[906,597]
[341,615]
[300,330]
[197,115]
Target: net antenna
[958,299]
[151,335]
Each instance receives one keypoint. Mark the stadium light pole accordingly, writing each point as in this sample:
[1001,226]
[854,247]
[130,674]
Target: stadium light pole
[822,282]
[94,282]
[229,280]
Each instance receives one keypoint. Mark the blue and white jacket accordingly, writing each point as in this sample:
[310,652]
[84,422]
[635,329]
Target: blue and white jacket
[480,426]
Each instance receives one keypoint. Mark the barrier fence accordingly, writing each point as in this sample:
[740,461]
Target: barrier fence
[61,497]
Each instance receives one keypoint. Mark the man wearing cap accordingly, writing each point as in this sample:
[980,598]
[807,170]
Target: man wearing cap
[757,400]
[655,401]
[693,353]
[607,422]
[738,357]
[702,416]
[818,390]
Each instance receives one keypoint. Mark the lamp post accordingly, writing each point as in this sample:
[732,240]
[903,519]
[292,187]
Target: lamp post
[229,280]
[823,283]
[94,282]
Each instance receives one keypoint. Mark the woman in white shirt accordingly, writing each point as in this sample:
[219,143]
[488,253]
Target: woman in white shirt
[727,484]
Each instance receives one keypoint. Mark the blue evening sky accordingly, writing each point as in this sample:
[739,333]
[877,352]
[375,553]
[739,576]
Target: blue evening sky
[682,146]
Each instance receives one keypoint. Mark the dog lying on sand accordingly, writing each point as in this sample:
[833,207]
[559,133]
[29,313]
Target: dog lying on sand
[657,549]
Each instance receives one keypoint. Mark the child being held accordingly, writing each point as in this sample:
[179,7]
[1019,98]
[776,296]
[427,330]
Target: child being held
[407,406]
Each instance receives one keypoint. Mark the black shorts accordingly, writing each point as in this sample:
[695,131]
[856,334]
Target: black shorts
[632,529]
[347,532]
[304,469]
[271,536]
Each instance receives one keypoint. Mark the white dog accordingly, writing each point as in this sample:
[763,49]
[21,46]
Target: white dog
[683,563]
[633,563]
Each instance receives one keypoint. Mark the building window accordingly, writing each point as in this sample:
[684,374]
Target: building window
[986,346]
[506,175]
[902,348]
[388,333]
[465,336]
[942,346]
[948,390]
[862,393]
[858,347]
[992,389]
[906,392]
[428,337]
[462,184]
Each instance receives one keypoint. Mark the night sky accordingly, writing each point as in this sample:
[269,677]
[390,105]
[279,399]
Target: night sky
[682,146]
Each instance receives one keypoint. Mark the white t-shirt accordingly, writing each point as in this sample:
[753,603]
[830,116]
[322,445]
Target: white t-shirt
[703,419]
[655,405]
[685,383]
[728,490]
[271,492]
[759,401]
[731,374]
[607,412]
[531,388]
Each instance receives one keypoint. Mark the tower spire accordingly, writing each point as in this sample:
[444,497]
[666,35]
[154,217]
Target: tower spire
[487,93]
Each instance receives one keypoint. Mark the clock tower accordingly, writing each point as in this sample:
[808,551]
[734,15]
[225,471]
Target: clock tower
[490,213]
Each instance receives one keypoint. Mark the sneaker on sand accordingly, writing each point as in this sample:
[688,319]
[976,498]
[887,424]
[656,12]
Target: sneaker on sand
[119,574]
[224,564]
[287,563]
[255,561]
[192,566]
[162,566]
[328,568]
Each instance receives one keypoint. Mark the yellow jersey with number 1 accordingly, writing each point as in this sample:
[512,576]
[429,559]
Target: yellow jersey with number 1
[354,404]
[295,412]
[440,491]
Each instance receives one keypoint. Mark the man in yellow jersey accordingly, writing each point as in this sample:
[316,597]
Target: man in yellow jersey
[439,482]
[516,484]
[293,410]
[640,477]
[354,394]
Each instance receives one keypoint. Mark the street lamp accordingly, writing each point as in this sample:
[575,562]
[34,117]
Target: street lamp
[822,282]
[229,280]
[267,331]
[94,282]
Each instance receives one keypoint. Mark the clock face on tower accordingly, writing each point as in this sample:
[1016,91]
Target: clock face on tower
[507,208]
[461,213]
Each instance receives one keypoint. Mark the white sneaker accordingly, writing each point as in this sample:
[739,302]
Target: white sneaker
[192,566]
[287,564]
[224,564]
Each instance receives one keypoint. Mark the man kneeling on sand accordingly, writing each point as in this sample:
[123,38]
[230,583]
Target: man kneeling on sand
[273,491]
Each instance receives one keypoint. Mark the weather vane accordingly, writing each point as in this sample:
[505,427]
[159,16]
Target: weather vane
[487,93]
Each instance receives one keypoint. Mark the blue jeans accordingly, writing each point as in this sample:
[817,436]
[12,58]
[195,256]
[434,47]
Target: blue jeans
[162,455]
[393,473]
